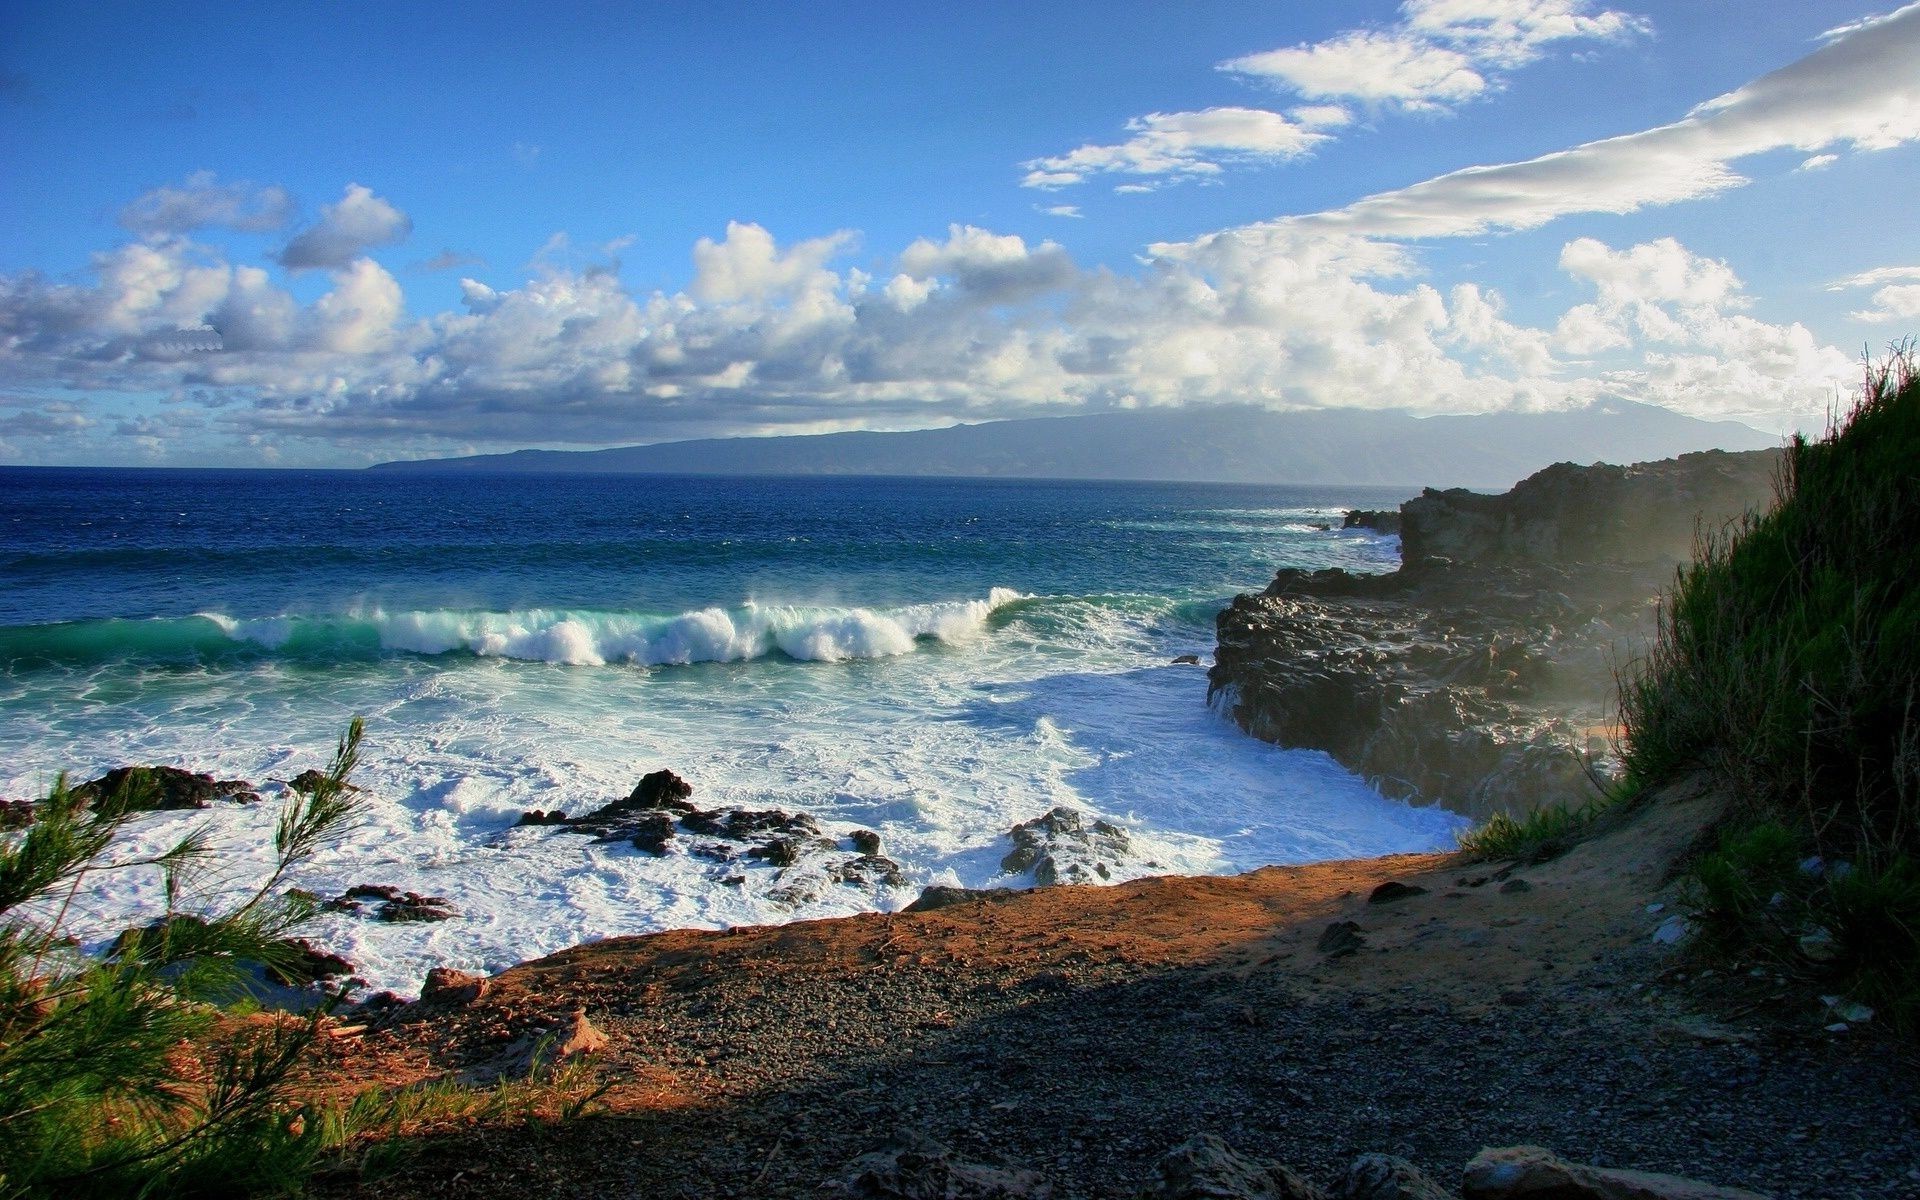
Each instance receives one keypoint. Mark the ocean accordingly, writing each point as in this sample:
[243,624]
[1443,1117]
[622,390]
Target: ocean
[934,660]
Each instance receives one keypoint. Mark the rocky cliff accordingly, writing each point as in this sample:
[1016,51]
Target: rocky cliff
[1480,674]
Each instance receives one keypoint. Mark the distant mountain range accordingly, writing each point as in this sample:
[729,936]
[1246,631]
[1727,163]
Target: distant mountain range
[1225,445]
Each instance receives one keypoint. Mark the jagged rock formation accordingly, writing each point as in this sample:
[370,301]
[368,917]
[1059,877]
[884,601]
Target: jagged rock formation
[658,817]
[1480,674]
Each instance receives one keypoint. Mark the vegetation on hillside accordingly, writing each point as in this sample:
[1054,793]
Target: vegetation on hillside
[1788,665]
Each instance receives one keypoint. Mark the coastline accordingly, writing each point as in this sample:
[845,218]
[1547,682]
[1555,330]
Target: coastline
[1080,1032]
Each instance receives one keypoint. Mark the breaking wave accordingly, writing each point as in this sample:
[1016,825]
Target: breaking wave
[573,637]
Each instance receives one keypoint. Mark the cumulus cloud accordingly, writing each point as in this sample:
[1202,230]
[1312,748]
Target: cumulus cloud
[357,223]
[201,201]
[1858,91]
[1440,54]
[771,336]
[1182,145]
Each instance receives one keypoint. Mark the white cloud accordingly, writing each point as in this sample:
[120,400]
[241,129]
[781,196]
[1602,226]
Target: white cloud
[1875,277]
[1369,67]
[1859,90]
[1180,145]
[1320,116]
[1441,53]
[346,230]
[1818,162]
[1897,297]
[1901,303]
[1062,210]
[203,202]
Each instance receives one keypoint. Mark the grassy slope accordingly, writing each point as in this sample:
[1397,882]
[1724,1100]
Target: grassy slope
[1788,665]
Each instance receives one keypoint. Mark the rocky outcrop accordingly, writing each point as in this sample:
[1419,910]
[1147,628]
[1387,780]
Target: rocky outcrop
[1480,674]
[1380,520]
[1645,513]
[1531,1173]
[1059,846]
[154,789]
[387,903]
[659,817]
[913,1166]
[1205,1168]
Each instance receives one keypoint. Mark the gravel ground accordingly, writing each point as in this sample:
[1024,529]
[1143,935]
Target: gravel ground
[1068,1033]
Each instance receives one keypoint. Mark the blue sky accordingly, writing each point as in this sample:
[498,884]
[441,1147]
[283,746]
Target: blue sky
[336,234]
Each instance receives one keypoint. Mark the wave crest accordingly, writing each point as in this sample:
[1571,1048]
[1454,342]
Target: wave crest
[572,637]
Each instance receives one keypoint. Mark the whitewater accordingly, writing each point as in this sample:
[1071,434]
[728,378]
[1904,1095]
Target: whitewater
[934,661]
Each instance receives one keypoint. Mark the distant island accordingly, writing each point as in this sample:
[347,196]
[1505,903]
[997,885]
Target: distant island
[1212,445]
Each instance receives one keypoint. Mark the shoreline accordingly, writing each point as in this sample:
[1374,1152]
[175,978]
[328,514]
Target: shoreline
[1079,1032]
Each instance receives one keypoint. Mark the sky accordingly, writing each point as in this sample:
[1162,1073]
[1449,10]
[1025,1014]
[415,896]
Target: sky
[328,235]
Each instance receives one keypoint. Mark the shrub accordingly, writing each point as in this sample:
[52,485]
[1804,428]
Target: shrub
[118,1076]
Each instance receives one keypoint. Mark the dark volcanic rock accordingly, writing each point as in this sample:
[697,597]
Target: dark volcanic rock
[942,896]
[535,816]
[1379,520]
[866,841]
[16,814]
[1205,1168]
[392,904]
[307,781]
[1602,513]
[1393,890]
[619,820]
[1385,1177]
[1340,939]
[652,832]
[912,1166]
[152,789]
[1474,675]
[1531,1173]
[1060,847]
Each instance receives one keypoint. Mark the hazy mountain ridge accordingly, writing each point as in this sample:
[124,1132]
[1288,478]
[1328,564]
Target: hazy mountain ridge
[1226,445]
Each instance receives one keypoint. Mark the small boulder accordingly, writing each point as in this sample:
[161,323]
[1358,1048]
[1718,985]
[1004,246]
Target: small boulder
[1393,890]
[16,814]
[307,781]
[1385,1177]
[1533,1173]
[1340,939]
[942,895]
[444,985]
[1187,660]
[1205,1168]
[305,964]
[661,789]
[913,1166]
[535,816]
[866,841]
[867,870]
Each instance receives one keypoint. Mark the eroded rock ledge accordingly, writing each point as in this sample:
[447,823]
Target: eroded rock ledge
[1480,675]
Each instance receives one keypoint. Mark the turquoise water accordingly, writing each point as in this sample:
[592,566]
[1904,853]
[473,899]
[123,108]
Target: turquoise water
[932,659]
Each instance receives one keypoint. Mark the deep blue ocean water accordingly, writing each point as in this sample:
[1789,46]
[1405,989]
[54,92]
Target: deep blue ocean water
[934,659]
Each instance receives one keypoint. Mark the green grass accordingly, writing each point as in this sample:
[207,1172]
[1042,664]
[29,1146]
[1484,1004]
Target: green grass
[1548,832]
[1787,665]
